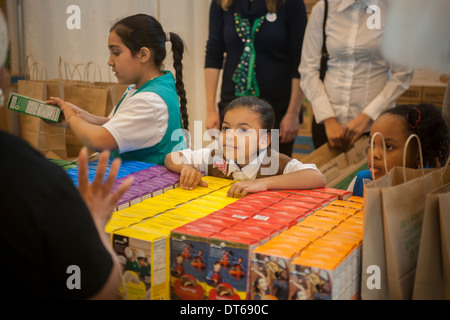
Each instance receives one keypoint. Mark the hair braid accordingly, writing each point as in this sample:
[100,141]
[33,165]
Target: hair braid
[178,51]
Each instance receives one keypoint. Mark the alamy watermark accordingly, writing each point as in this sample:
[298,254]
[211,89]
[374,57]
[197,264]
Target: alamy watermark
[74,20]
[74,280]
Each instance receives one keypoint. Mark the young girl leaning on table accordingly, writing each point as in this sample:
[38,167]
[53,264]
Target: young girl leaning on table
[396,125]
[245,155]
[140,126]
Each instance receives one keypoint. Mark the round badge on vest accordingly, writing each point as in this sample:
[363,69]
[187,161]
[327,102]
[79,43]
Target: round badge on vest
[271,17]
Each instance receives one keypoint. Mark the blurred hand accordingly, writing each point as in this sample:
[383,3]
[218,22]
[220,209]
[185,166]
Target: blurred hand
[335,133]
[97,195]
[355,128]
[289,127]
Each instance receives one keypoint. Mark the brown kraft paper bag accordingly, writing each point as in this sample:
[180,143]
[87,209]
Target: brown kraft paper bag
[403,211]
[46,138]
[430,282]
[96,99]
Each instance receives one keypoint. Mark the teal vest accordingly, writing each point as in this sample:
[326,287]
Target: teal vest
[164,86]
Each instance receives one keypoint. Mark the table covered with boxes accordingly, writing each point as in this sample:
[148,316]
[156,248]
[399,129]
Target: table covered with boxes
[175,244]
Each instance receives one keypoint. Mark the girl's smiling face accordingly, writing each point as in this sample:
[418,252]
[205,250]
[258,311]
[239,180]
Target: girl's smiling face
[127,67]
[395,132]
[240,137]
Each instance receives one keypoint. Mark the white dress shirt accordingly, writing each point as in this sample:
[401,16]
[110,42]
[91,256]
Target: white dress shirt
[358,80]
[140,122]
[201,158]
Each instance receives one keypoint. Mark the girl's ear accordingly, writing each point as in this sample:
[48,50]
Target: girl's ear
[144,54]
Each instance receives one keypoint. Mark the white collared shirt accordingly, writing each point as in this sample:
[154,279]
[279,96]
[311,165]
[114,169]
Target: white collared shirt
[358,77]
[201,159]
[140,122]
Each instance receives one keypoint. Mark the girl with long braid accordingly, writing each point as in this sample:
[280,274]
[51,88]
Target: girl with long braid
[141,126]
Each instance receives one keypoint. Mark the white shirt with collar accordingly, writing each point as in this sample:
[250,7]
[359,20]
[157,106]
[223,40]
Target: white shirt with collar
[358,78]
[201,159]
[140,122]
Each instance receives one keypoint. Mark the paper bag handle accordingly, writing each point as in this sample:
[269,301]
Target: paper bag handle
[67,70]
[371,153]
[96,67]
[34,68]
[404,154]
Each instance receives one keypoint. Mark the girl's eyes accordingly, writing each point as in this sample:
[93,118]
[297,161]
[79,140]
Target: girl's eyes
[239,130]
[388,146]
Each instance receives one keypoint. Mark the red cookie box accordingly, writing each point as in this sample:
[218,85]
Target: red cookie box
[188,262]
[342,194]
[291,205]
[235,213]
[216,220]
[228,266]
[205,225]
[261,196]
[255,202]
[242,205]
[298,214]
[273,223]
[311,193]
[305,198]
[276,193]
[282,222]
[246,233]
[264,230]
[227,217]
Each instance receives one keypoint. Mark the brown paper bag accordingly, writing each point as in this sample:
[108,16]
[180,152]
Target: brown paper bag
[444,214]
[48,139]
[96,99]
[403,211]
[389,203]
[393,204]
[429,282]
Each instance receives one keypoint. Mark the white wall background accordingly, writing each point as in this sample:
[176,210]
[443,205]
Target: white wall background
[46,36]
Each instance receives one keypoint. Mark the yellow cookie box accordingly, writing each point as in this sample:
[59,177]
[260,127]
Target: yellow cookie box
[146,274]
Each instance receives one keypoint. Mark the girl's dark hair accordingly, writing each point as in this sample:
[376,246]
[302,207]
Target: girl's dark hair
[263,108]
[427,123]
[141,30]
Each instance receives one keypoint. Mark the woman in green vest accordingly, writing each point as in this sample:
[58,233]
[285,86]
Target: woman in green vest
[147,122]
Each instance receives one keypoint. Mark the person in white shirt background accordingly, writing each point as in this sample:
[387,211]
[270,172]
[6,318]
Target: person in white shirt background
[359,83]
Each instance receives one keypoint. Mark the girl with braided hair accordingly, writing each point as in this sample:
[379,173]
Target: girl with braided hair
[396,125]
[140,127]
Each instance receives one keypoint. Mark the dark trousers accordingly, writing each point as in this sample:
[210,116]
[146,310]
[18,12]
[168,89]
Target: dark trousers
[319,134]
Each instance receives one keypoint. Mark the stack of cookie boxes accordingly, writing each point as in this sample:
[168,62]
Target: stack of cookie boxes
[223,254]
[201,244]
[140,235]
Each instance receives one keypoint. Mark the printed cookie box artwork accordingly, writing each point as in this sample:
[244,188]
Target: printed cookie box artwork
[143,258]
[228,266]
[188,262]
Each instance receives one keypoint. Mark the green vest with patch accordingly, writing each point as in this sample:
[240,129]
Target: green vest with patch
[164,86]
